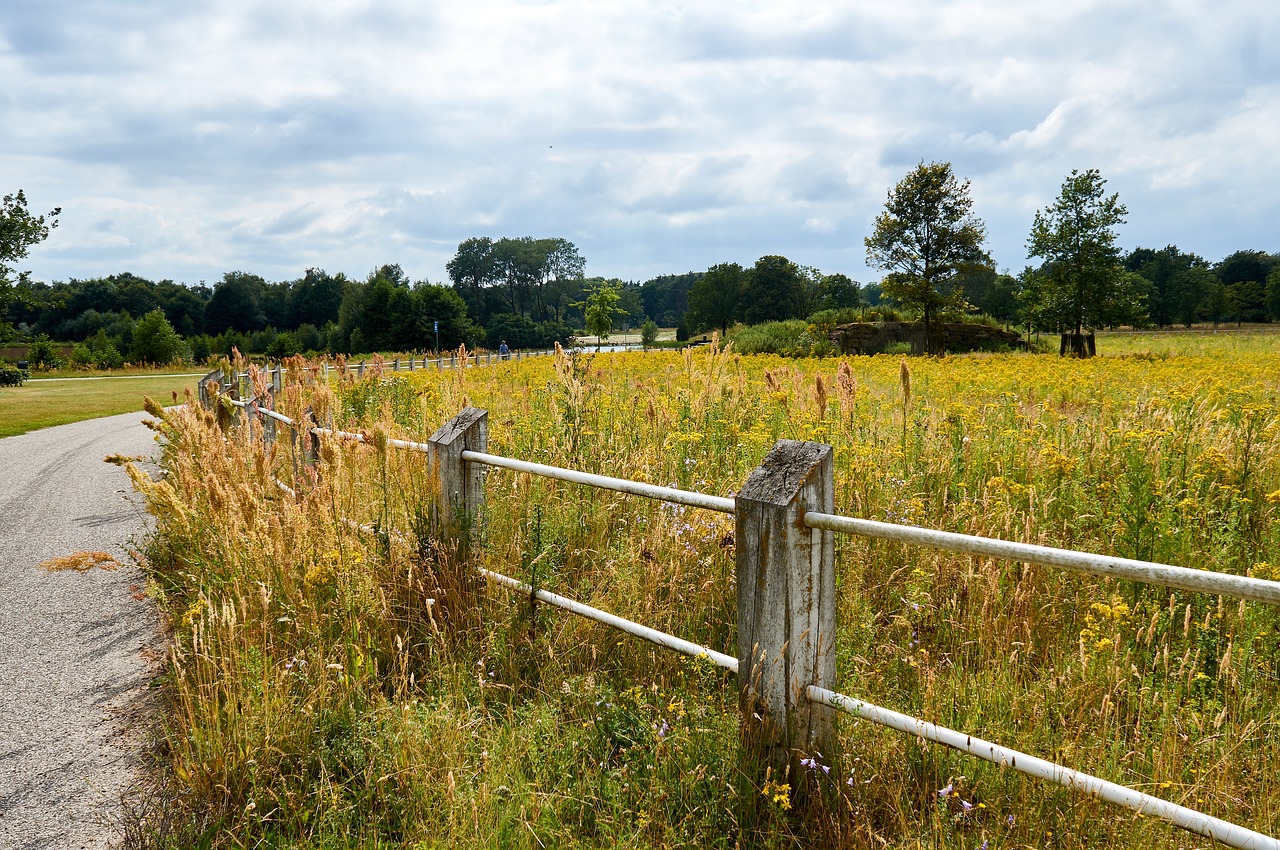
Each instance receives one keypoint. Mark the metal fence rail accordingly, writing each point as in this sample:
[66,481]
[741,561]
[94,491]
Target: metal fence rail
[1188,819]
[1183,578]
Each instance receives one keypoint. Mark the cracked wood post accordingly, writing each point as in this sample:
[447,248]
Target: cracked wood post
[786,608]
[459,511]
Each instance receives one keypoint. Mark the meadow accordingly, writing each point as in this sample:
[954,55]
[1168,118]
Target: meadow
[334,688]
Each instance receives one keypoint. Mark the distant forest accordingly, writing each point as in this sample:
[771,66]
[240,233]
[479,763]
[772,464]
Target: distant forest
[531,292]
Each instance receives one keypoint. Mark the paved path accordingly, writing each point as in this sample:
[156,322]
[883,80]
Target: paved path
[76,649]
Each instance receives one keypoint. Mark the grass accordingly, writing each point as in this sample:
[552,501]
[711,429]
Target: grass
[41,404]
[330,688]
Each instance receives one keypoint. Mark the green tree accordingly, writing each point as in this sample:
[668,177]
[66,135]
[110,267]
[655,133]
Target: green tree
[1083,279]
[713,300]
[1244,274]
[473,268]
[648,333]
[236,304]
[155,340]
[19,231]
[926,238]
[772,291]
[1273,294]
[836,292]
[316,298]
[600,310]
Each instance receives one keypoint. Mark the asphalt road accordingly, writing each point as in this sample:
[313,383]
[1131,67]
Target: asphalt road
[76,649]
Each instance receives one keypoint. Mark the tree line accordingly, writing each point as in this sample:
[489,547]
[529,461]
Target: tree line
[533,291]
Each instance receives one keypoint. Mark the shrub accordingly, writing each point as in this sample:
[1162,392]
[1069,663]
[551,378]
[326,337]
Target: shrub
[43,354]
[790,338]
[12,376]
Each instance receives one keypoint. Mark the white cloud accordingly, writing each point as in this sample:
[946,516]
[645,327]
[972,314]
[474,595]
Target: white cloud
[657,136]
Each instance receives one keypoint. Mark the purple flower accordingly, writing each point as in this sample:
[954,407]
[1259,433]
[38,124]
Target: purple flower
[944,793]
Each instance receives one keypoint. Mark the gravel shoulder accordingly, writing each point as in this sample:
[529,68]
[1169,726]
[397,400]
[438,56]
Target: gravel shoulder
[77,650]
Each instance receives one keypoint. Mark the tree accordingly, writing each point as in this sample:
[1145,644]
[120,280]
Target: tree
[155,341]
[925,239]
[236,304]
[473,268]
[772,291]
[316,298]
[837,292]
[713,300]
[1273,294]
[1083,278]
[1244,275]
[601,307]
[19,231]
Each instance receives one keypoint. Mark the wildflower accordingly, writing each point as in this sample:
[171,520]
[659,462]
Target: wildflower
[944,793]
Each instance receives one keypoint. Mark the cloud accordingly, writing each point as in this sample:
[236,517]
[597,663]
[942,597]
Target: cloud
[185,140]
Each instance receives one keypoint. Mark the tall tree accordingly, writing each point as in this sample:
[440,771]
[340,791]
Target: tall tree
[236,304]
[772,291]
[473,268]
[713,300]
[600,310]
[926,238]
[1076,236]
[1244,275]
[316,297]
[19,231]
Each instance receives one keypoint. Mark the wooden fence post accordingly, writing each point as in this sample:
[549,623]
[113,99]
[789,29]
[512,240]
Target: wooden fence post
[459,512]
[786,608]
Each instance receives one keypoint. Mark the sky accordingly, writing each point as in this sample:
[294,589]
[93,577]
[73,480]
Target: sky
[186,140]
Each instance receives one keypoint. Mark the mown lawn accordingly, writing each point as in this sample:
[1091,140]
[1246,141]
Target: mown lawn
[44,403]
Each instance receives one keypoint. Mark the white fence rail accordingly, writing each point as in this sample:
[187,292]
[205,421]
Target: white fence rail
[787,670]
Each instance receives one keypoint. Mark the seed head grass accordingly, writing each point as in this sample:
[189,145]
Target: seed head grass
[337,687]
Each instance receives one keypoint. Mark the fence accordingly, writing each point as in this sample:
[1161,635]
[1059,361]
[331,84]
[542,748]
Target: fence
[785,579]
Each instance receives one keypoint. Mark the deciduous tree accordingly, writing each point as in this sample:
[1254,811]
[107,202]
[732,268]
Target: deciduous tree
[1083,279]
[925,239]
[713,300]
[19,231]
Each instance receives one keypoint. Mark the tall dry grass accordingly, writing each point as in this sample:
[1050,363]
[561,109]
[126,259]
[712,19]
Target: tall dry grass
[338,688]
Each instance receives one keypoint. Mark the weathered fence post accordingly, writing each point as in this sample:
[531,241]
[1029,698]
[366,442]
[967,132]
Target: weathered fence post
[277,380]
[786,608]
[203,387]
[310,440]
[459,512]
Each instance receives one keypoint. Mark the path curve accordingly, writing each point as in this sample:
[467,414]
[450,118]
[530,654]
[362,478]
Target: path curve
[77,650]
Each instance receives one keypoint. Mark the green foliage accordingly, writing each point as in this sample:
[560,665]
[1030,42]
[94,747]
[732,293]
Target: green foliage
[11,376]
[648,333]
[601,309]
[773,290]
[19,231]
[1082,283]
[792,338]
[1273,295]
[714,301]
[236,304]
[156,342]
[43,354]
[926,238]
[836,292]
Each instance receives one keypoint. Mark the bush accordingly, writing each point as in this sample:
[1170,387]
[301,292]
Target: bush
[155,341]
[43,354]
[12,376]
[648,333]
[790,338]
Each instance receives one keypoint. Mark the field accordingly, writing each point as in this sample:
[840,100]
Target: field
[330,688]
[41,404]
